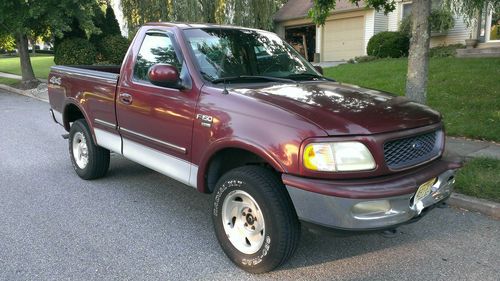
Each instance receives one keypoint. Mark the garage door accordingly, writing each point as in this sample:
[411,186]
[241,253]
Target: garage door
[343,39]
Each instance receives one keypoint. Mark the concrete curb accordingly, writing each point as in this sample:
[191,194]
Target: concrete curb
[11,89]
[26,93]
[483,206]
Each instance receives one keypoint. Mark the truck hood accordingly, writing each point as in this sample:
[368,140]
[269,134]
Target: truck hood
[343,109]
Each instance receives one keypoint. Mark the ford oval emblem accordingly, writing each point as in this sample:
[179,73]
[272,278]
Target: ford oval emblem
[417,145]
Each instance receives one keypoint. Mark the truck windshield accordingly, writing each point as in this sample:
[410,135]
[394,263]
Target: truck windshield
[228,53]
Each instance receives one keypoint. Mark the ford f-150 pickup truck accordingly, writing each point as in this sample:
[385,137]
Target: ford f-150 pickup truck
[239,114]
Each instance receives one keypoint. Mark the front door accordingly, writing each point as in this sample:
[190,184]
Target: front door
[156,122]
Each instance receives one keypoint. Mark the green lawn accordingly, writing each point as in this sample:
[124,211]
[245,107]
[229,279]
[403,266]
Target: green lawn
[465,91]
[41,65]
[480,178]
[8,81]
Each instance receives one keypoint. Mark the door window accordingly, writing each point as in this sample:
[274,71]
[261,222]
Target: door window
[156,48]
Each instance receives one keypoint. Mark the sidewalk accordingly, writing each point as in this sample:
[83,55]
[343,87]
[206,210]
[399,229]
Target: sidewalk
[468,149]
[11,76]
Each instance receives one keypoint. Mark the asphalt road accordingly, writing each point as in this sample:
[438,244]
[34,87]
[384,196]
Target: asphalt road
[136,224]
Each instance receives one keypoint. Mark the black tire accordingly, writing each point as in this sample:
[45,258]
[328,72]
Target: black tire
[282,228]
[98,157]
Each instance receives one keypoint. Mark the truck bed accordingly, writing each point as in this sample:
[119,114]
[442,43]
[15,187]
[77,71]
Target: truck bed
[96,84]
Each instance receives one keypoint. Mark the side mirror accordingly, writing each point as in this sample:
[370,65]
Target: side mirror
[319,69]
[164,75]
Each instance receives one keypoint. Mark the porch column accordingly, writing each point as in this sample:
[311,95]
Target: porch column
[319,43]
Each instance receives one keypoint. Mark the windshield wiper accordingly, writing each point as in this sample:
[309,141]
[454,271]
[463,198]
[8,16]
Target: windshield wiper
[250,77]
[304,75]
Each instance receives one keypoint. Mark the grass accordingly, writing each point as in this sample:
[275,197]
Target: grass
[465,91]
[41,65]
[480,178]
[9,82]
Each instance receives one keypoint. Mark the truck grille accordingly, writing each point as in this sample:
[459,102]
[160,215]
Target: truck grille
[411,151]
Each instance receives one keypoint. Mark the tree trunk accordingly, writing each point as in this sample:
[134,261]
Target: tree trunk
[29,80]
[418,59]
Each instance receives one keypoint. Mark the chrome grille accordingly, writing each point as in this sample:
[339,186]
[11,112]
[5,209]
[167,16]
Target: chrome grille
[411,151]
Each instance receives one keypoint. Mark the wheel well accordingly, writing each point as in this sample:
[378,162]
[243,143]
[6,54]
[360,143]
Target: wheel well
[228,159]
[71,114]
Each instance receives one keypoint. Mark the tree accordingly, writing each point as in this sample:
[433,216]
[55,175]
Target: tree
[249,13]
[7,42]
[418,60]
[253,13]
[21,18]
[111,26]
[418,56]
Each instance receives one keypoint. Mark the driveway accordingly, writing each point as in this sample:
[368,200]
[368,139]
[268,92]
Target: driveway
[138,225]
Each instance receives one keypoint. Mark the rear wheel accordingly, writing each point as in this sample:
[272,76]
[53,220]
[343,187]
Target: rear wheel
[89,160]
[254,219]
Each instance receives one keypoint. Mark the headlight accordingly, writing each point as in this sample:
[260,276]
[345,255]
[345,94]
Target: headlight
[338,156]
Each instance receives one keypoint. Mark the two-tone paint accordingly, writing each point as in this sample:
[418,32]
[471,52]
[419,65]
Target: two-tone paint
[179,132]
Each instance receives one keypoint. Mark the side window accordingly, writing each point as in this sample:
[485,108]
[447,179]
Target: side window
[156,48]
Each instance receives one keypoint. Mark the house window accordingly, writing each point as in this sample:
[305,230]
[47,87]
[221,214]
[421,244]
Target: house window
[406,10]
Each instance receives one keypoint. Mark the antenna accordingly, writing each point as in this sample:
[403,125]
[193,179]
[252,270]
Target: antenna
[225,91]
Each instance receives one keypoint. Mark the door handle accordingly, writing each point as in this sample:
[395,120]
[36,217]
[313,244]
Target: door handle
[125,98]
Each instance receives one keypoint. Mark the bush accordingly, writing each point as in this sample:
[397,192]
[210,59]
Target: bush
[388,44]
[405,26]
[445,51]
[112,49]
[75,51]
[362,59]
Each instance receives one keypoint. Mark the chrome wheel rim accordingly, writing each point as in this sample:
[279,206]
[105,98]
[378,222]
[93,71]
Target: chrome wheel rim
[80,150]
[243,222]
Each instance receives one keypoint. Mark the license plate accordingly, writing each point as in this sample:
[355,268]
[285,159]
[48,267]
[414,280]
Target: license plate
[424,190]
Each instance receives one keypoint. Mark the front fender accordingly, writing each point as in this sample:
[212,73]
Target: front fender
[243,144]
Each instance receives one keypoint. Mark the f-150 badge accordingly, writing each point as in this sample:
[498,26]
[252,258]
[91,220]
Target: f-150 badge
[55,80]
[206,120]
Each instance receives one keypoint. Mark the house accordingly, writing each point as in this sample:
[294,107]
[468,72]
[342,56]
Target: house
[348,29]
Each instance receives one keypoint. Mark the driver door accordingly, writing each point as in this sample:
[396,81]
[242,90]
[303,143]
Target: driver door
[156,122]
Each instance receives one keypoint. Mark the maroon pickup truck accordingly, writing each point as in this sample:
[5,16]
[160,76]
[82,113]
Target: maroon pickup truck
[239,114]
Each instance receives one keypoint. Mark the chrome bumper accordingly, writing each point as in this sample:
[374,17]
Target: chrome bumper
[367,214]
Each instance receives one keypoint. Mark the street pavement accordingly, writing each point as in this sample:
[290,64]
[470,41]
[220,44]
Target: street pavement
[136,224]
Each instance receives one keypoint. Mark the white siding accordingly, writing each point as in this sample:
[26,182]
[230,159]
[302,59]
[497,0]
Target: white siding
[394,17]
[369,27]
[457,34]
[381,22]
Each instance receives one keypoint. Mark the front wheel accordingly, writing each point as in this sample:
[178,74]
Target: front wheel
[89,160]
[254,219]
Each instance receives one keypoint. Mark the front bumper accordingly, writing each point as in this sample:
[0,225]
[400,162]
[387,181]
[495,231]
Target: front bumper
[370,204]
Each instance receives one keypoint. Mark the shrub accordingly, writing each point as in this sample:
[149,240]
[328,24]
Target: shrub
[445,51]
[112,49]
[388,44]
[75,51]
[362,59]
[405,26]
